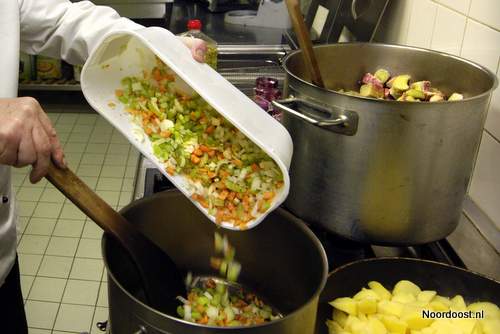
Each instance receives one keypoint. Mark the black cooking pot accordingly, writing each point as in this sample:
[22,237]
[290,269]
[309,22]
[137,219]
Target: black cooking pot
[282,261]
[447,280]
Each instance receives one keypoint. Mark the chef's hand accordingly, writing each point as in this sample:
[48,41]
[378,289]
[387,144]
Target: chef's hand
[198,47]
[27,137]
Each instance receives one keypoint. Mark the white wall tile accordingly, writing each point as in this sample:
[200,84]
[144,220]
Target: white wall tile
[481,44]
[421,26]
[448,31]
[459,5]
[493,120]
[486,11]
[485,186]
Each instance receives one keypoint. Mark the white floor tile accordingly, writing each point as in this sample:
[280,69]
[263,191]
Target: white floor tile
[47,289]
[29,194]
[89,248]
[76,318]
[89,170]
[92,159]
[101,314]
[55,266]
[116,159]
[22,223]
[29,263]
[87,269]
[81,292]
[109,184]
[92,230]
[103,295]
[39,331]
[26,209]
[41,314]
[74,147]
[47,210]
[112,171]
[68,228]
[62,246]
[41,226]
[70,211]
[95,148]
[111,197]
[26,283]
[33,244]
[52,195]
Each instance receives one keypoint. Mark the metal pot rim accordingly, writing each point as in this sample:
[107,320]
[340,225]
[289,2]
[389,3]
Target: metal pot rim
[303,227]
[396,46]
[409,259]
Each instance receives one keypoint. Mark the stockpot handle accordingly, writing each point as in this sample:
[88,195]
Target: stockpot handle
[340,120]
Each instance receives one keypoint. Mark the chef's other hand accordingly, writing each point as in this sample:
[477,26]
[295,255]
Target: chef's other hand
[27,137]
[198,47]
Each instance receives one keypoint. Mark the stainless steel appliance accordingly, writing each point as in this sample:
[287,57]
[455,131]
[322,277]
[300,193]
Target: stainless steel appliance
[379,171]
[173,222]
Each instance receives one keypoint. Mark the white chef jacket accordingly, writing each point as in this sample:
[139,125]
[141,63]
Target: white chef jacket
[56,28]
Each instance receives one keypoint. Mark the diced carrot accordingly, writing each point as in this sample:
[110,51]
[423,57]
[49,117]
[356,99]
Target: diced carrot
[223,194]
[231,196]
[204,148]
[255,167]
[210,130]
[195,159]
[119,92]
[219,216]
[198,152]
[237,162]
[203,203]
[165,134]
[203,320]
[171,170]
[169,77]
[268,195]
[193,116]
[157,74]
[148,131]
[211,153]
[203,120]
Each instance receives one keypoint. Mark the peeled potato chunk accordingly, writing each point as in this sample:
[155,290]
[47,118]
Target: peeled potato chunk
[410,310]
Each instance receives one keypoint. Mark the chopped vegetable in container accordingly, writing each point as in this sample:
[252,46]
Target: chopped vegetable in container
[229,175]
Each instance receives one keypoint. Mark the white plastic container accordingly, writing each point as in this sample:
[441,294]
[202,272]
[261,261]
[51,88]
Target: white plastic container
[128,53]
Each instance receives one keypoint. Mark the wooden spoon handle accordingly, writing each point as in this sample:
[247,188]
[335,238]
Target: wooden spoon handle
[304,42]
[89,202]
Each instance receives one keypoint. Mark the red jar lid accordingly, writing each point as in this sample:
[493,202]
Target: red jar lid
[194,25]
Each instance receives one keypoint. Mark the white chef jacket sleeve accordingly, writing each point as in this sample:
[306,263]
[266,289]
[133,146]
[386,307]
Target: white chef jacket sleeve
[61,29]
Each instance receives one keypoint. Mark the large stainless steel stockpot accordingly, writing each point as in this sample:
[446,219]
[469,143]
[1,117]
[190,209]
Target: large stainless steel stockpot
[281,258]
[383,172]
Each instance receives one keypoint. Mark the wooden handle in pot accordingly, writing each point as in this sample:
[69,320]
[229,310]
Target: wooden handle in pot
[304,39]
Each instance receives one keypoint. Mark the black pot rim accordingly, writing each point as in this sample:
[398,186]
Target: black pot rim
[293,220]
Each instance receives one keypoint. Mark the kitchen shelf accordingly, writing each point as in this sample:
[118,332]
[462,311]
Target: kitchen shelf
[50,85]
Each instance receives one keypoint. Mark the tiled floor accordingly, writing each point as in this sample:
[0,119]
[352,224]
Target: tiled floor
[62,272]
